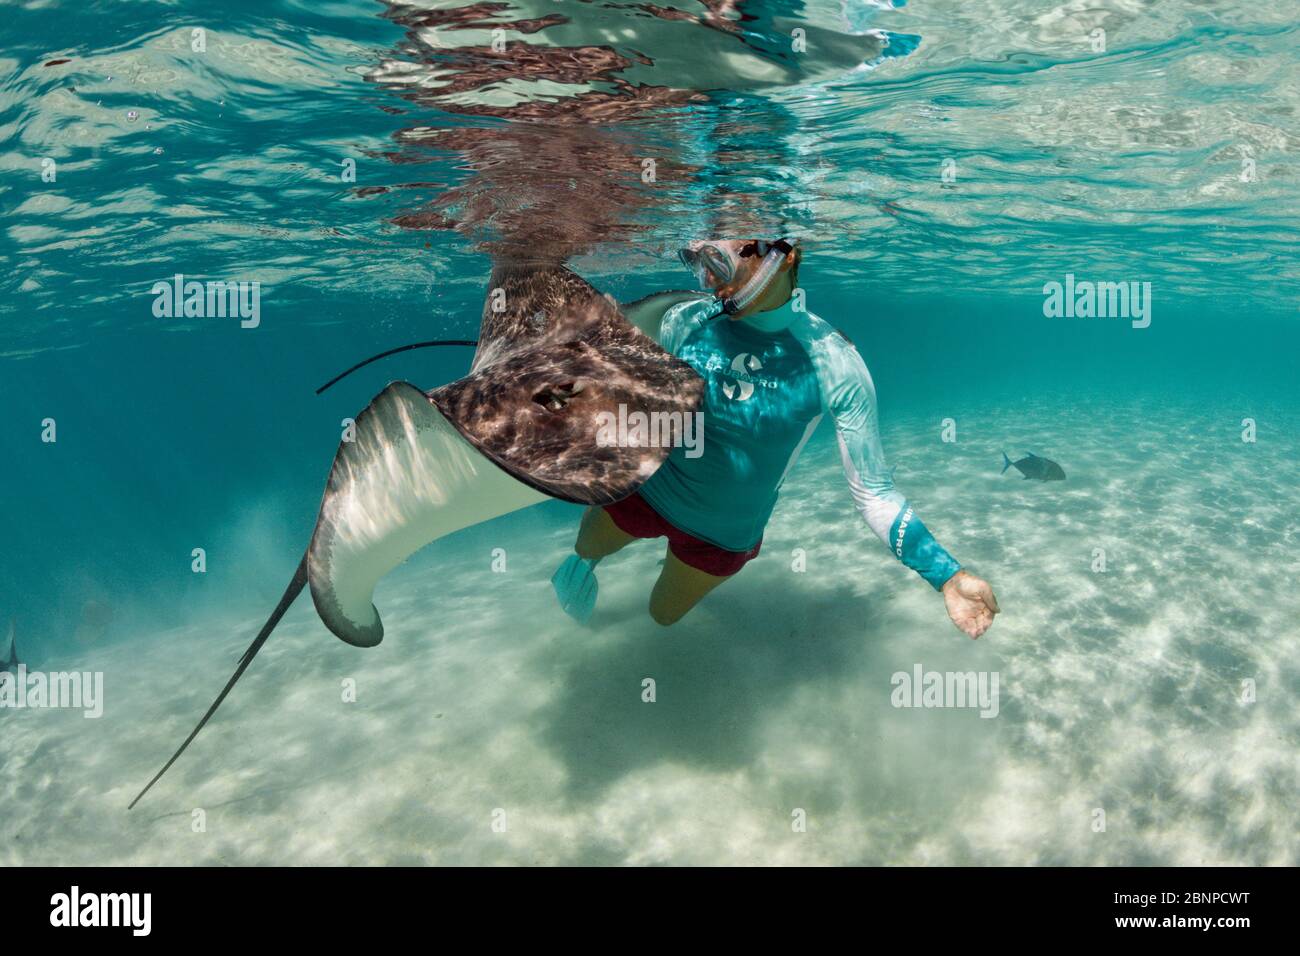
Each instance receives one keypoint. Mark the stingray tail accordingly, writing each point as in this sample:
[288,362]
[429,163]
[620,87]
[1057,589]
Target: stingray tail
[1006,463]
[401,348]
[290,594]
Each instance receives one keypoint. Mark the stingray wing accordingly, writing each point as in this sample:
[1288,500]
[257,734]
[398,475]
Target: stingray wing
[647,314]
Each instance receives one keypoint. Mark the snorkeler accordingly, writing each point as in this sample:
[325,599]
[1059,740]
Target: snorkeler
[771,372]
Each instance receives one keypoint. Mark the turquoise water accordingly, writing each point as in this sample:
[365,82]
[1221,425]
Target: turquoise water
[940,162]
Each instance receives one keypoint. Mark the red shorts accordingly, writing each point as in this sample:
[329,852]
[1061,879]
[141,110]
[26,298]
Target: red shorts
[634,516]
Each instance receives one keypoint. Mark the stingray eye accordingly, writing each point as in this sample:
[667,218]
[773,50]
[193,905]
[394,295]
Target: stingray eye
[553,398]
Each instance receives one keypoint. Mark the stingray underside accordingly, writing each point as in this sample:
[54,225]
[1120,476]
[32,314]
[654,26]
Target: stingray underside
[405,478]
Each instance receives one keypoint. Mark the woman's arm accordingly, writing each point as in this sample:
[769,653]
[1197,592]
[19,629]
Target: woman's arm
[850,397]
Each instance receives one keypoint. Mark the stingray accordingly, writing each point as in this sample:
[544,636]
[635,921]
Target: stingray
[11,664]
[520,427]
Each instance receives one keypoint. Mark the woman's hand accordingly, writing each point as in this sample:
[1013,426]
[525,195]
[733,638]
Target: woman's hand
[970,602]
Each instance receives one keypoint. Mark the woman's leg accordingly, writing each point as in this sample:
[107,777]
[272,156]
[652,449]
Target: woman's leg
[679,588]
[599,536]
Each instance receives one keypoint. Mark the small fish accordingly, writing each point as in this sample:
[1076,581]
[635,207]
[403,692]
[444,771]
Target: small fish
[12,662]
[1040,469]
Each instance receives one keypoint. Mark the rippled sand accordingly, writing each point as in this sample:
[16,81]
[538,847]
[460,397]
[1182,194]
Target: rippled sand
[1119,691]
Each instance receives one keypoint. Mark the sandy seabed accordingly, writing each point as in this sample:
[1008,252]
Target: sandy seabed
[1120,691]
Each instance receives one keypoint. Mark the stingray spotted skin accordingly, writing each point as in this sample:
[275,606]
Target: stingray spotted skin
[527,307]
[557,356]
[536,415]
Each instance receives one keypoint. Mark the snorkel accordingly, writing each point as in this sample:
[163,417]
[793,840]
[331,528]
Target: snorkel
[715,266]
[762,278]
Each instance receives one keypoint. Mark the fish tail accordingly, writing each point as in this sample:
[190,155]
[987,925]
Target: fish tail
[290,593]
[1006,463]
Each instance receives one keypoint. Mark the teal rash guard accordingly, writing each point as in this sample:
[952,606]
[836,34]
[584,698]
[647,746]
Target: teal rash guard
[769,379]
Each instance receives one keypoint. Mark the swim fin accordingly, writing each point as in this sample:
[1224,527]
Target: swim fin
[576,587]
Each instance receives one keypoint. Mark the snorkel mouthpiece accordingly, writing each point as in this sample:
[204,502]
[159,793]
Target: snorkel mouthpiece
[761,279]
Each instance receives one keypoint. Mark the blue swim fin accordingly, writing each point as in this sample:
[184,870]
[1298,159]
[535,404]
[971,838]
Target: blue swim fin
[1006,463]
[576,587]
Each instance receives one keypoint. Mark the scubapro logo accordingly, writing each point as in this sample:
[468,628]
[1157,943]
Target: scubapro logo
[743,365]
[902,530]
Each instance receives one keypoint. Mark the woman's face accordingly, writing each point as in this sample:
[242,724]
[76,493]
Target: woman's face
[724,266]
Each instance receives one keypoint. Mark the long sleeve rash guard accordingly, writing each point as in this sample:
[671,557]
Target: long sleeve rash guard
[769,381]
